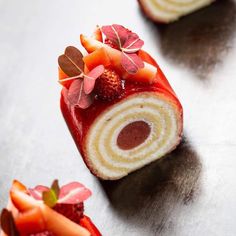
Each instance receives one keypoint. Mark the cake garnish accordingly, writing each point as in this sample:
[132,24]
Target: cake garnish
[66,200]
[71,193]
[114,56]
[108,85]
[128,43]
[72,64]
[97,34]
[7,223]
[44,211]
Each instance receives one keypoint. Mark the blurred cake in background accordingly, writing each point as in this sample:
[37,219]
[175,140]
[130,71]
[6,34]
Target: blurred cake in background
[166,11]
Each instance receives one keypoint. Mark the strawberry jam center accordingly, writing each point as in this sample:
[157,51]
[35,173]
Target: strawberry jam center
[133,134]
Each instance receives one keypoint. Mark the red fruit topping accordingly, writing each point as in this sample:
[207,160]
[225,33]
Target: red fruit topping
[88,224]
[110,43]
[16,185]
[146,74]
[109,85]
[97,34]
[73,212]
[96,58]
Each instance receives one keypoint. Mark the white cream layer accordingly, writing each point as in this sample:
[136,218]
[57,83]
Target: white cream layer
[102,151]
[171,10]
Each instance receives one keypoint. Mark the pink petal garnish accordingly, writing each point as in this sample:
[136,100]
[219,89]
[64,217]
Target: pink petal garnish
[131,62]
[118,34]
[73,193]
[36,192]
[129,43]
[90,78]
[77,96]
[132,44]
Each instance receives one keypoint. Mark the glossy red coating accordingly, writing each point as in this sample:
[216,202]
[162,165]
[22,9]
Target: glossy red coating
[80,120]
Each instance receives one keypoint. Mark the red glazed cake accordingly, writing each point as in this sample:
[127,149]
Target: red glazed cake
[44,211]
[118,105]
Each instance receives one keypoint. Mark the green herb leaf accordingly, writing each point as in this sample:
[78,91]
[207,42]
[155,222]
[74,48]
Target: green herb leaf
[50,198]
[55,187]
[8,223]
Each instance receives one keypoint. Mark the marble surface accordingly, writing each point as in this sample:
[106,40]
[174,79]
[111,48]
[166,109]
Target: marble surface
[190,192]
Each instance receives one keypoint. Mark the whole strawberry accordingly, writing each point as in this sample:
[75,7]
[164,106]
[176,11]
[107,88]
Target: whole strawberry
[108,86]
[72,211]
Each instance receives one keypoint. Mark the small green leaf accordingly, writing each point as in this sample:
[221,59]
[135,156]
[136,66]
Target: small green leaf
[8,224]
[50,198]
[55,187]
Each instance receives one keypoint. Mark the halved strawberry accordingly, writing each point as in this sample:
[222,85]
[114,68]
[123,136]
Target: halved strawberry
[146,74]
[16,185]
[96,58]
[30,221]
[88,224]
[97,34]
[22,201]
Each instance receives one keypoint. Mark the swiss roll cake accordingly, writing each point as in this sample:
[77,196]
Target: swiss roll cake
[117,103]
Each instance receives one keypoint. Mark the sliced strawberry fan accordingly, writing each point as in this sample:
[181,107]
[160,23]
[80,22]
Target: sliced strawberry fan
[43,211]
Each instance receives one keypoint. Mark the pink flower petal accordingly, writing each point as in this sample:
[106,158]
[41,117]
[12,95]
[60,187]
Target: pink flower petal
[129,43]
[131,62]
[132,44]
[36,192]
[77,96]
[116,33]
[73,193]
[90,78]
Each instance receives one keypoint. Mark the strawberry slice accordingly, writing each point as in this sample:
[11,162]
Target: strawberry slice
[30,221]
[22,201]
[16,185]
[51,220]
[96,58]
[88,224]
[146,74]
[97,34]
